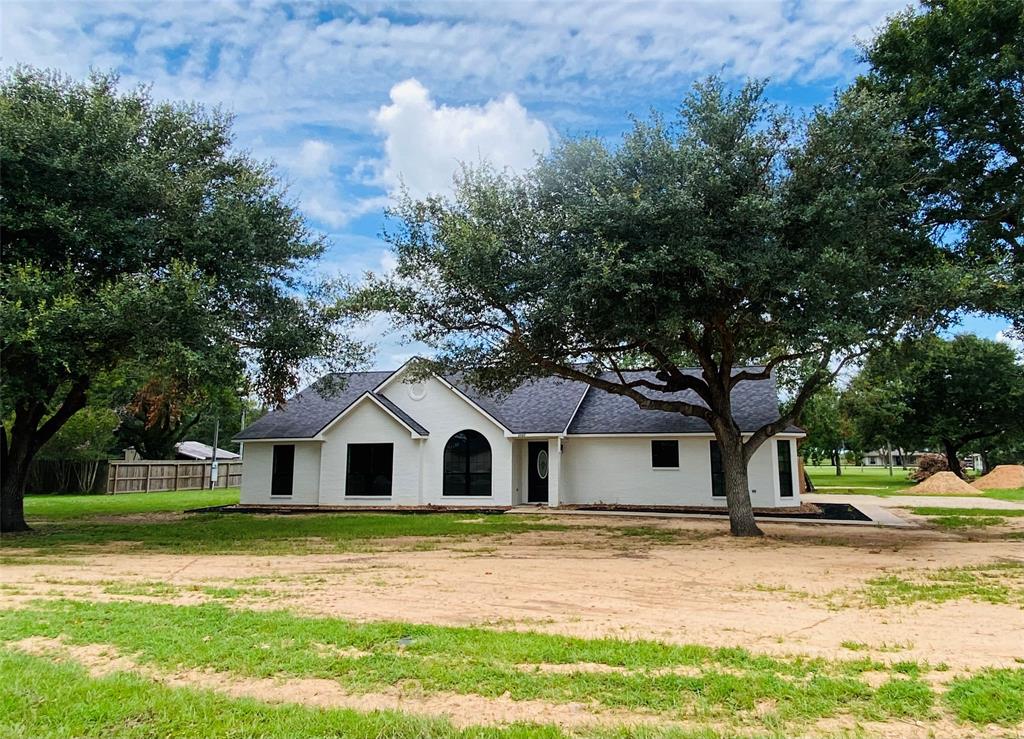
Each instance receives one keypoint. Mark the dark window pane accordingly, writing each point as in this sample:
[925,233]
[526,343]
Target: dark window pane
[454,483]
[369,469]
[664,453]
[282,470]
[480,484]
[480,460]
[467,464]
[785,469]
[717,472]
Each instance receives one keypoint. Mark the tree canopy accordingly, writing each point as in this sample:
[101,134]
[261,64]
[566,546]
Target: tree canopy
[955,69]
[828,427]
[134,231]
[945,394]
[731,236]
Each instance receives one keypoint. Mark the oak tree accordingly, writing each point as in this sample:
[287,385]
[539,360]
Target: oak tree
[731,237]
[134,231]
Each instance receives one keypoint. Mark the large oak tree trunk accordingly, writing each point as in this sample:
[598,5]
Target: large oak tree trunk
[17,456]
[28,434]
[952,458]
[737,486]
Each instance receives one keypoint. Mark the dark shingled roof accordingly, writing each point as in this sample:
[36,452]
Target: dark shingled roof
[304,415]
[754,403]
[540,406]
[406,418]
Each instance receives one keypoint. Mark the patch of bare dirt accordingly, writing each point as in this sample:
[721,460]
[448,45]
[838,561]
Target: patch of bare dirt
[844,726]
[697,586]
[574,668]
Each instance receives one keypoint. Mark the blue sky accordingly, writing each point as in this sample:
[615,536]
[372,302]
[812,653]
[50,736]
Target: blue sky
[349,100]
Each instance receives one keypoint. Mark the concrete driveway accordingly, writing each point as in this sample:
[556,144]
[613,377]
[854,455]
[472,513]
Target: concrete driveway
[914,501]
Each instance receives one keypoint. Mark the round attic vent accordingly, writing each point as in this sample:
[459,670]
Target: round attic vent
[417,391]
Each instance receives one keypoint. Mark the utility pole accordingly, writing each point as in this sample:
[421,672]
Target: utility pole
[888,454]
[213,462]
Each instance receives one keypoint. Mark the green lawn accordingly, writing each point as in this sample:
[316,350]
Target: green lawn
[58,507]
[43,700]
[238,533]
[863,480]
[965,518]
[877,481]
[715,685]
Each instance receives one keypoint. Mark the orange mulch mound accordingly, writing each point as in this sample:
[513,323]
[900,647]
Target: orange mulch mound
[1002,477]
[944,483]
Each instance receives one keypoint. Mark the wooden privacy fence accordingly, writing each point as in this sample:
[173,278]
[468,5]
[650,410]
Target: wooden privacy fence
[148,476]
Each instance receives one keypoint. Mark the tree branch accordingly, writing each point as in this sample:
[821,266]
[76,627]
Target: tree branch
[766,373]
[821,376]
[73,402]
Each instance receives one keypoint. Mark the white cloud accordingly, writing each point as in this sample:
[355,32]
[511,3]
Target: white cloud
[424,143]
[316,172]
[314,159]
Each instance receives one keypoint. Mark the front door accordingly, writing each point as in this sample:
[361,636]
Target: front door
[537,480]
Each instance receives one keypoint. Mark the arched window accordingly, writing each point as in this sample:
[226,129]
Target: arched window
[467,464]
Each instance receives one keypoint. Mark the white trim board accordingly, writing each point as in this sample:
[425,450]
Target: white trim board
[369,394]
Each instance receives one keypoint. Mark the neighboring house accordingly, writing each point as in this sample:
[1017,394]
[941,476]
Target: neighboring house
[199,450]
[880,458]
[383,441]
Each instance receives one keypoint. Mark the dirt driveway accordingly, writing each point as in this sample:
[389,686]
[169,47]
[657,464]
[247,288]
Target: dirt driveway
[800,590]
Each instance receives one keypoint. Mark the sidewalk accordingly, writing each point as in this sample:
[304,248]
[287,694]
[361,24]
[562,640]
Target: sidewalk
[915,501]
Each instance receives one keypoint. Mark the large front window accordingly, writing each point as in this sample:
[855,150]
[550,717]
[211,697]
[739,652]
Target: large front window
[369,469]
[467,464]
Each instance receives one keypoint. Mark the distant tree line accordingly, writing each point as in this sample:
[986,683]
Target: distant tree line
[954,396]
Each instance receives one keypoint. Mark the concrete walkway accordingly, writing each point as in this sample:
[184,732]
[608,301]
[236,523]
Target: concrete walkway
[915,501]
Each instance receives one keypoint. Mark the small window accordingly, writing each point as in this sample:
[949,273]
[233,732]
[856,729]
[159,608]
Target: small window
[283,470]
[717,472]
[665,453]
[369,469]
[785,469]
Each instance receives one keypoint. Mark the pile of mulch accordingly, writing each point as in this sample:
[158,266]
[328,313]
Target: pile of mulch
[944,483]
[640,508]
[824,512]
[1002,477]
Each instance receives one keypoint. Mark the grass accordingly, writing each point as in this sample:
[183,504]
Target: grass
[996,583]
[877,481]
[213,533]
[859,480]
[687,681]
[64,507]
[1013,494]
[990,697]
[43,700]
[964,518]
